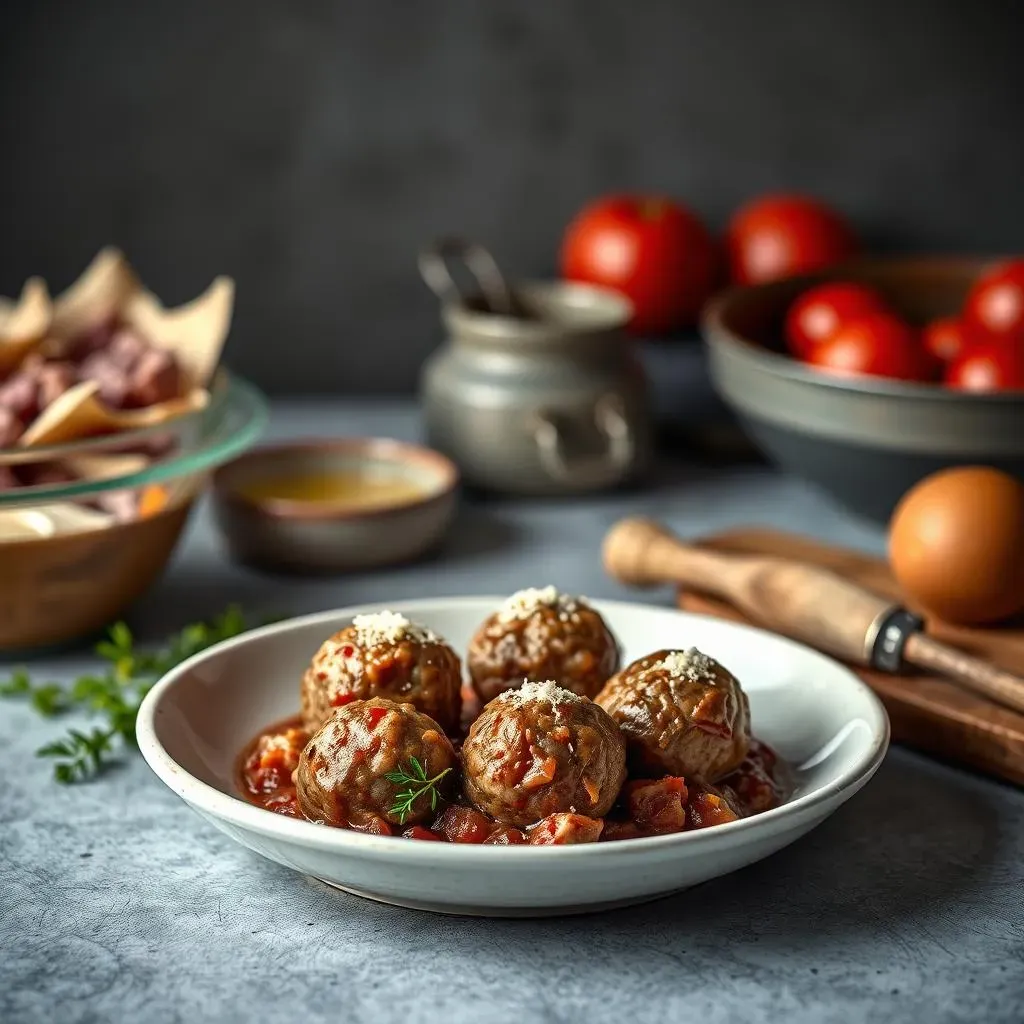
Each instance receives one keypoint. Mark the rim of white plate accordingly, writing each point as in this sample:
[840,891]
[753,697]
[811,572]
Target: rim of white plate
[237,811]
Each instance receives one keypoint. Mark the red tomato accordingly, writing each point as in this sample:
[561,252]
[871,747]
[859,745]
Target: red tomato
[505,835]
[944,339]
[780,236]
[879,344]
[995,305]
[988,366]
[419,832]
[652,250]
[816,314]
[463,825]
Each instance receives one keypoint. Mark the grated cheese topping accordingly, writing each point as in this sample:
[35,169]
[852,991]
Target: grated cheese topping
[276,741]
[389,628]
[691,665]
[532,690]
[523,603]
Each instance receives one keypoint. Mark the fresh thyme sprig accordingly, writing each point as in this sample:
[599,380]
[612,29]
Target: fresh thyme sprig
[115,694]
[83,754]
[417,784]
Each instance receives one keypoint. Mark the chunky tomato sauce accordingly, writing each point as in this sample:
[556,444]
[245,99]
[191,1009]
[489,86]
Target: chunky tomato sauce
[645,807]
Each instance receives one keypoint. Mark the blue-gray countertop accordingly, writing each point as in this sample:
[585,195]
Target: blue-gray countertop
[117,903]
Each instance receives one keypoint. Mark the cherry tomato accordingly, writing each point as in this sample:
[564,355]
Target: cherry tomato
[652,250]
[816,314]
[879,344]
[944,339]
[988,366]
[995,305]
[781,235]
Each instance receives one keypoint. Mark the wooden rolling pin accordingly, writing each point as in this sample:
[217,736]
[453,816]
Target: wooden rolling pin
[804,602]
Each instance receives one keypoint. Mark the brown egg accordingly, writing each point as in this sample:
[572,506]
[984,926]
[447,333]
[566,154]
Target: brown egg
[956,545]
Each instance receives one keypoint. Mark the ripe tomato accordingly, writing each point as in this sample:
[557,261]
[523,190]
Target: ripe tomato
[995,305]
[816,314]
[988,366]
[652,250]
[780,236]
[944,339]
[879,344]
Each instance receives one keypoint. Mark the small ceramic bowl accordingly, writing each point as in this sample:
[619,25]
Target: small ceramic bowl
[292,535]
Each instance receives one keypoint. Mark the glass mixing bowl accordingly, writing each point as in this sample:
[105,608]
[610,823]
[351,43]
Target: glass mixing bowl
[193,443]
[103,515]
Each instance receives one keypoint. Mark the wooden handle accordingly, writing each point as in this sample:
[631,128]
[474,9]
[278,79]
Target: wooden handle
[801,601]
[981,676]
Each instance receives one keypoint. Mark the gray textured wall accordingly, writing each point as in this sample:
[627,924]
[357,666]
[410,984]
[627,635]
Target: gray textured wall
[309,148]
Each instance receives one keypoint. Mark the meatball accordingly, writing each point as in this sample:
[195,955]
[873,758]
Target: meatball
[539,750]
[375,760]
[542,634]
[384,655]
[681,713]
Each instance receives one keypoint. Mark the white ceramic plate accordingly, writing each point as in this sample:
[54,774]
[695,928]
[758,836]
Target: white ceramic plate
[815,713]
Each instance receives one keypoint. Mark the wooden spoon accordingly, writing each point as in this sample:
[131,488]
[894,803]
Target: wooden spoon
[804,602]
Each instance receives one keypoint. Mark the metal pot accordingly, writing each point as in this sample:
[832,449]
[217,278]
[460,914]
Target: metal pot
[536,390]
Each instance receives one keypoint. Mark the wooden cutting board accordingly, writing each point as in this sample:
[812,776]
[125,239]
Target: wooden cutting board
[927,713]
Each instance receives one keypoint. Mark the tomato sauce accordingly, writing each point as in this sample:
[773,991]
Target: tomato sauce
[264,772]
[645,807]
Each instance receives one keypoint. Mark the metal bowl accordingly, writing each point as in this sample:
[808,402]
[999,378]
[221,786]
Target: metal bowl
[865,440]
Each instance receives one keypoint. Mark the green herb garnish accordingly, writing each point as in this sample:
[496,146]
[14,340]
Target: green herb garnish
[83,754]
[417,784]
[114,694]
[48,699]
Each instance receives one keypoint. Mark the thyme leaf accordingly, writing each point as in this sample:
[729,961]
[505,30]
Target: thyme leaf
[417,784]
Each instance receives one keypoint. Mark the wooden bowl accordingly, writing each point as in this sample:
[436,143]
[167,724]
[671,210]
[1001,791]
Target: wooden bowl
[865,440]
[321,537]
[68,568]
[61,588]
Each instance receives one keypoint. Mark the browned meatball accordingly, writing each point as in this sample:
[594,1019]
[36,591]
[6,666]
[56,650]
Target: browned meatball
[542,634]
[375,759]
[681,712]
[384,655]
[539,750]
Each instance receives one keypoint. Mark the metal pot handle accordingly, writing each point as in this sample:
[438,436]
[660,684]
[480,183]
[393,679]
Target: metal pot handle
[595,471]
[481,265]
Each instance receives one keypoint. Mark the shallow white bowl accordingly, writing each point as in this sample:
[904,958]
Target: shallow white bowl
[815,713]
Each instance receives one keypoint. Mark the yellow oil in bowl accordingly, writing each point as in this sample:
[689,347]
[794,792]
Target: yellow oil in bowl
[348,489]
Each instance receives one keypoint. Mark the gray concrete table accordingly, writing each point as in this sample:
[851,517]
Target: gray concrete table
[117,903]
